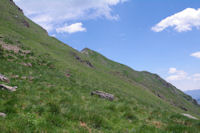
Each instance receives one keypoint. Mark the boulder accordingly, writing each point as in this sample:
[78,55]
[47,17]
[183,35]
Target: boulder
[8,87]
[27,64]
[2,114]
[103,95]
[189,116]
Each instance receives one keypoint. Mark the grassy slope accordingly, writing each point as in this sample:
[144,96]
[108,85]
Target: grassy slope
[49,101]
[147,80]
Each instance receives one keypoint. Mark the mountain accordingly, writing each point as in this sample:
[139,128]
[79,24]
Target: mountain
[195,94]
[55,83]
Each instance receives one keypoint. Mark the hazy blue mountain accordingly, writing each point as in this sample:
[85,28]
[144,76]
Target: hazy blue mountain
[195,94]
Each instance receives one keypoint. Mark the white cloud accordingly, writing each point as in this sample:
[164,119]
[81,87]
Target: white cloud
[177,74]
[183,80]
[196,54]
[172,70]
[52,13]
[53,35]
[76,27]
[181,21]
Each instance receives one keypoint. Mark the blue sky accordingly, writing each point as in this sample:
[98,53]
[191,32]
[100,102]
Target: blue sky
[160,36]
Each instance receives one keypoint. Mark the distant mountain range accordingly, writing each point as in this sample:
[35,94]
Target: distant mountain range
[195,94]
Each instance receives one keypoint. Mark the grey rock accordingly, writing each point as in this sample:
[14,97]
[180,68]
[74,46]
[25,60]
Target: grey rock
[189,116]
[8,87]
[2,114]
[3,78]
[103,95]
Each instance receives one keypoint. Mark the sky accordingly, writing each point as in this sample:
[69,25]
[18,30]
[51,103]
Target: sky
[159,36]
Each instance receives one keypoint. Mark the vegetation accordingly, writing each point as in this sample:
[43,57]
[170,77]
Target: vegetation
[55,81]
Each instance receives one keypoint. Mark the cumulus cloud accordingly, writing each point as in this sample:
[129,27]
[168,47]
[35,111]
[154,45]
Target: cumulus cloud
[183,80]
[181,21]
[196,54]
[172,70]
[52,13]
[177,74]
[76,27]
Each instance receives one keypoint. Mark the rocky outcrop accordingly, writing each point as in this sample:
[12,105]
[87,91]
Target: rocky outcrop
[103,95]
[183,108]
[16,6]
[9,47]
[85,51]
[88,63]
[14,48]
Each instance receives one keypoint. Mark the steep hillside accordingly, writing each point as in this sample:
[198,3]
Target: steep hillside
[55,82]
[152,82]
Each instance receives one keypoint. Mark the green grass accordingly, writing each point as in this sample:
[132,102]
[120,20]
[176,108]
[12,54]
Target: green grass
[48,101]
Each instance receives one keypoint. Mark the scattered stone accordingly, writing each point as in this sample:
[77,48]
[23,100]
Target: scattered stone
[23,77]
[190,116]
[8,87]
[25,51]
[50,85]
[31,78]
[25,23]
[4,78]
[68,75]
[10,60]
[27,64]
[2,114]
[15,76]
[103,95]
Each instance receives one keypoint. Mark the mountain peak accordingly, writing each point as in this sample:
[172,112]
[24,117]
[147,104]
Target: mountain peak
[85,51]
